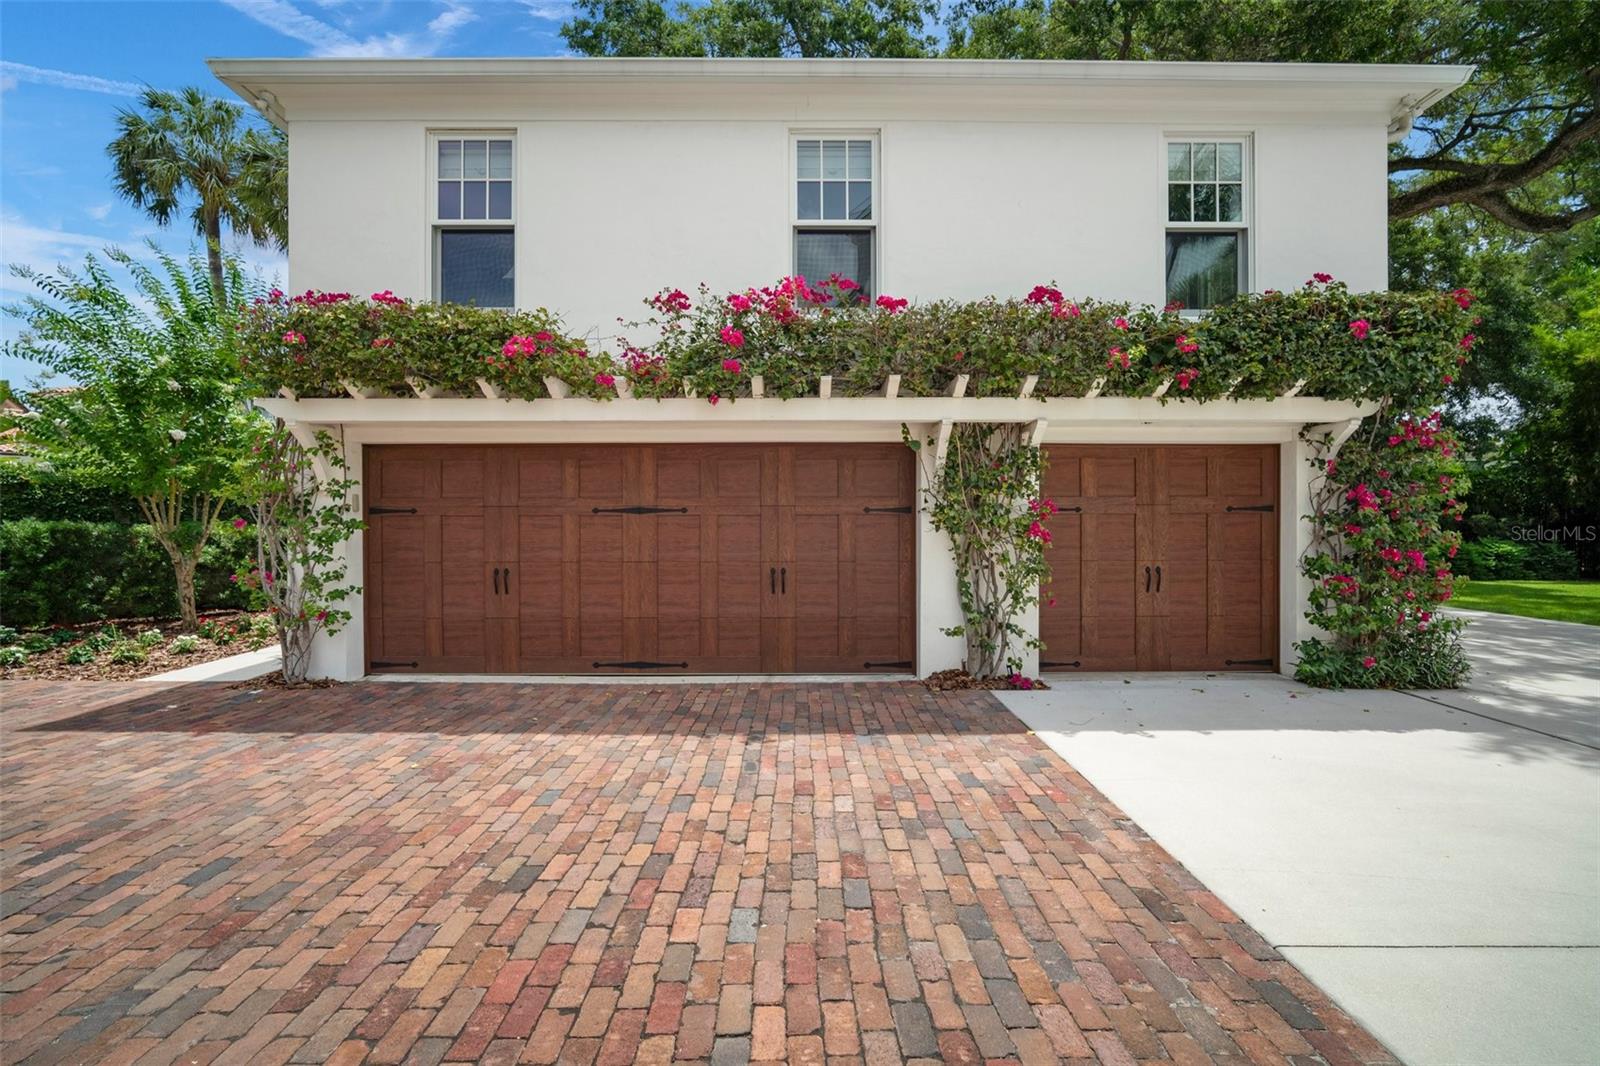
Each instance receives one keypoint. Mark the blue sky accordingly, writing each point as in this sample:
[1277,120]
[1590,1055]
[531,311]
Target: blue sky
[66,68]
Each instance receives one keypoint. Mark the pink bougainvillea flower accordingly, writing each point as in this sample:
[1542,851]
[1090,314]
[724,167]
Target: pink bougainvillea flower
[1369,662]
[604,380]
[1185,345]
[1333,464]
[1186,377]
[1448,380]
[239,523]
[712,399]
[1044,294]
[732,366]
[383,342]
[733,338]
[1037,531]
[294,338]
[740,302]
[1118,357]
[1463,297]
[1175,305]
[1319,278]
[1119,322]
[1469,340]
[1065,309]
[1360,328]
[892,304]
[673,301]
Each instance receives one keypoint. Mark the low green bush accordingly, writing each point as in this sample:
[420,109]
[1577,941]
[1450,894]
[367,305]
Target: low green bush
[1499,559]
[68,572]
[128,652]
[79,655]
[16,655]
[149,638]
[187,644]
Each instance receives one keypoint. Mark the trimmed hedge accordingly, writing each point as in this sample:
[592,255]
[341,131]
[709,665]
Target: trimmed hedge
[1498,559]
[66,571]
[32,490]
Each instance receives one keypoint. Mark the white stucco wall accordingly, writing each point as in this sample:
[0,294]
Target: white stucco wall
[610,210]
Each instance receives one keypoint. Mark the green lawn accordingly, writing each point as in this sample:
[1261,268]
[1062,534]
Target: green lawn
[1564,601]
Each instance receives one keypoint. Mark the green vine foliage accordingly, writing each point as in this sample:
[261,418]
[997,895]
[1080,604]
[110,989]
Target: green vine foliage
[1386,514]
[792,333]
[986,498]
[301,522]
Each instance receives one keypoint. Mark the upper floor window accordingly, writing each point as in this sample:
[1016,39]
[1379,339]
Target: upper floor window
[834,208]
[1207,221]
[473,208]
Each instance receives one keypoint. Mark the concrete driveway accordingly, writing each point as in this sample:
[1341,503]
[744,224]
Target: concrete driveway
[1431,860]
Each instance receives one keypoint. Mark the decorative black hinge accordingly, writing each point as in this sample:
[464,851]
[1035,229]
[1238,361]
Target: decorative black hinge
[904,664]
[1074,663]
[391,510]
[887,510]
[1253,507]
[638,510]
[382,664]
[642,664]
[1064,510]
[1247,662]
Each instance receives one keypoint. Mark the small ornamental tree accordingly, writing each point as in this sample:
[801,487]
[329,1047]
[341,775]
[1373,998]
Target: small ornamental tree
[157,409]
[987,498]
[301,522]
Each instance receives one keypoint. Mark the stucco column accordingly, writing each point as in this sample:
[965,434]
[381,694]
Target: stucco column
[1302,464]
[938,601]
[343,656]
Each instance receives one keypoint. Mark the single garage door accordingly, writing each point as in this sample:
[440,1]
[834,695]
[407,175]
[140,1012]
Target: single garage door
[1162,558]
[640,558]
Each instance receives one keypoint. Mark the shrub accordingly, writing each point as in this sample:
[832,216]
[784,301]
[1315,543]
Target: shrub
[68,572]
[7,635]
[127,652]
[102,638]
[149,638]
[187,644]
[79,655]
[1496,558]
[15,655]
[37,490]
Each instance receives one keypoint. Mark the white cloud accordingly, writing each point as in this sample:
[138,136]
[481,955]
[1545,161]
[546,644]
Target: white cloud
[98,212]
[328,40]
[12,73]
[549,10]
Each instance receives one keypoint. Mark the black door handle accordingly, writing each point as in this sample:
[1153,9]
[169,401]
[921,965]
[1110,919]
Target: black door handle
[1147,579]
[507,579]
[1158,579]
[772,580]
[783,579]
[497,581]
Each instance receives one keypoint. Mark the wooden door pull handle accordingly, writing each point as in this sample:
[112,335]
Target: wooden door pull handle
[1147,579]
[1158,579]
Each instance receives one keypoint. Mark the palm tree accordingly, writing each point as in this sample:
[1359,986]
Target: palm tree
[186,145]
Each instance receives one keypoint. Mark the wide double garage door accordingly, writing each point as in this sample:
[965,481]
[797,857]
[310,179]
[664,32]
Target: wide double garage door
[1162,558]
[628,559]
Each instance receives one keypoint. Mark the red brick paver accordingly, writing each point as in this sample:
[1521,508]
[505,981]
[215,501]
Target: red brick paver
[434,873]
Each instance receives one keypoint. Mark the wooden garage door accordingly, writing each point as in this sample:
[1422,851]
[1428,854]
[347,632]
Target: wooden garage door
[659,558]
[1163,558]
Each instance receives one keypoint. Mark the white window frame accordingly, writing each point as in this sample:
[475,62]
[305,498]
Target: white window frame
[437,225]
[874,224]
[1244,227]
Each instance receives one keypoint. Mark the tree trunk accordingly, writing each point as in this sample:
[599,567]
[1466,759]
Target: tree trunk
[184,567]
[213,223]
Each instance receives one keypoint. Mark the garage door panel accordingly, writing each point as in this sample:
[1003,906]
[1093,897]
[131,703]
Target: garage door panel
[651,587]
[1215,599]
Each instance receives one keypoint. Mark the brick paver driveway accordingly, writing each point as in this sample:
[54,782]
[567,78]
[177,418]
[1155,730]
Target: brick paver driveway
[423,873]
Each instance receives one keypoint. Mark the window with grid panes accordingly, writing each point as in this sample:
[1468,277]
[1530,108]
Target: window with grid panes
[473,223]
[1207,225]
[834,208]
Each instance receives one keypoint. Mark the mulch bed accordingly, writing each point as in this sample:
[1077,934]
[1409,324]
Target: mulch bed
[275,680]
[52,665]
[959,680]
